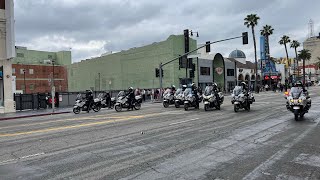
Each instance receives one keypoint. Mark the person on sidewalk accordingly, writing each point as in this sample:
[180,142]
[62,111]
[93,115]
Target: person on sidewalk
[143,95]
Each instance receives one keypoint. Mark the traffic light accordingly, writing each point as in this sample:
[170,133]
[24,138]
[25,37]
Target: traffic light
[157,72]
[193,67]
[186,40]
[191,72]
[161,72]
[190,63]
[245,38]
[180,62]
[208,46]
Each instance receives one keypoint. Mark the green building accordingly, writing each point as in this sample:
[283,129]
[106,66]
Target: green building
[134,67]
[35,57]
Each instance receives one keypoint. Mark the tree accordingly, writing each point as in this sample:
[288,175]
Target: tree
[318,62]
[304,55]
[266,31]
[251,21]
[295,44]
[283,41]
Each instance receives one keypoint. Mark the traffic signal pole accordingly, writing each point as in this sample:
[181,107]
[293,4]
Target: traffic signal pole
[187,53]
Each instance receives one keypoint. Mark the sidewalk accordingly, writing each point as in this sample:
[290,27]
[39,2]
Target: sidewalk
[33,113]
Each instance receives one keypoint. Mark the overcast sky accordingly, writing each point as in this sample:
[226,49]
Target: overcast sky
[90,28]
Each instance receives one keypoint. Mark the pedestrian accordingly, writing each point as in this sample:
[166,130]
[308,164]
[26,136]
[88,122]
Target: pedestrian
[144,95]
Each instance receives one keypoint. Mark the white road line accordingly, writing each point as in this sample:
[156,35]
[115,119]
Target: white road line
[183,121]
[23,157]
[32,155]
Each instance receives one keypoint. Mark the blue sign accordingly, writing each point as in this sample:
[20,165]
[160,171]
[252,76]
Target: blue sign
[268,66]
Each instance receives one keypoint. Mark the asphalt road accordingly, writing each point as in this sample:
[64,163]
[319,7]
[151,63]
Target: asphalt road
[159,143]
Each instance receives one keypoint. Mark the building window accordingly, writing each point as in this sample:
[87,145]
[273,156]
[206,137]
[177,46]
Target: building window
[30,71]
[13,70]
[22,71]
[20,55]
[31,87]
[230,72]
[49,56]
[205,71]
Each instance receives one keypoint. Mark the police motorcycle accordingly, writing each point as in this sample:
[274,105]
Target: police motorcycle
[212,99]
[240,100]
[168,98]
[122,102]
[104,103]
[179,96]
[298,102]
[190,99]
[80,105]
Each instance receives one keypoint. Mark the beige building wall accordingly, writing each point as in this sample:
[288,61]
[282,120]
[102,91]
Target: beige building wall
[8,105]
[313,44]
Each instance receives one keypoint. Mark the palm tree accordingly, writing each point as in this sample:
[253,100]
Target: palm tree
[295,44]
[304,54]
[251,21]
[284,40]
[266,31]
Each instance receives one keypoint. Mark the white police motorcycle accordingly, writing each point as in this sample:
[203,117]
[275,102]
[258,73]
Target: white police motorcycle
[212,100]
[298,102]
[241,100]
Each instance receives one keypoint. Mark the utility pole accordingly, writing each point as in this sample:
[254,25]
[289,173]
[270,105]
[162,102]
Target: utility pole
[53,88]
[99,81]
[24,81]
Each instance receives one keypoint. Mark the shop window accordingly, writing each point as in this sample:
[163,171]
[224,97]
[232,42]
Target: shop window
[30,71]
[230,72]
[13,70]
[205,71]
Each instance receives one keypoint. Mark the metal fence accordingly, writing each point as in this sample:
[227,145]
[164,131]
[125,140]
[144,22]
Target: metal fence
[30,101]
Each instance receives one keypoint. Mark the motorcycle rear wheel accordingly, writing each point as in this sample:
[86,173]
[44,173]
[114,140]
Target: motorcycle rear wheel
[218,107]
[118,108]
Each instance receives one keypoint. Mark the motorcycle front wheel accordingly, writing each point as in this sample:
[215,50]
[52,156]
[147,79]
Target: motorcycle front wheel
[296,114]
[177,105]
[96,108]
[218,106]
[137,106]
[248,106]
[186,107]
[206,107]
[76,110]
[236,108]
[165,104]
[118,108]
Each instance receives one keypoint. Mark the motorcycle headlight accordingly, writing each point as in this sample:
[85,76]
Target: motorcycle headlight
[291,100]
[300,100]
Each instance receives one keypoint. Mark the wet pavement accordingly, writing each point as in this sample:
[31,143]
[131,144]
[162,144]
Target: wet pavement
[159,143]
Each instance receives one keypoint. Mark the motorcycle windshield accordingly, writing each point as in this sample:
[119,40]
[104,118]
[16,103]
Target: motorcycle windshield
[187,92]
[168,91]
[237,90]
[295,92]
[121,94]
[179,91]
[208,90]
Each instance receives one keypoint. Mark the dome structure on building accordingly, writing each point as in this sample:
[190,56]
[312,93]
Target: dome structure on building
[237,54]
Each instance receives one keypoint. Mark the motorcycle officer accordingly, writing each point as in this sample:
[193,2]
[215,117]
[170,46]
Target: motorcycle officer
[215,91]
[184,87]
[131,97]
[173,89]
[108,99]
[245,88]
[89,99]
[195,92]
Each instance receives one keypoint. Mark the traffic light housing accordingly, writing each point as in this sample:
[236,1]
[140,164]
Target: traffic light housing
[208,46]
[157,72]
[186,40]
[190,63]
[161,72]
[191,73]
[245,38]
[180,62]
[193,67]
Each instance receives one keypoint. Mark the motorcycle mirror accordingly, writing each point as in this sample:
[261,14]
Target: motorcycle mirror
[285,97]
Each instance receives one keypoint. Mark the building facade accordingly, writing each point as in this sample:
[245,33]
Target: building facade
[313,45]
[7,41]
[135,67]
[33,70]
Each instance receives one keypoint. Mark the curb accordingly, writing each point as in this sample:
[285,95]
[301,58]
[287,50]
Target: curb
[33,115]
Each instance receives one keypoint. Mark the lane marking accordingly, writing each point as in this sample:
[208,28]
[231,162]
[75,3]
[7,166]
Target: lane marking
[63,128]
[23,157]
[183,121]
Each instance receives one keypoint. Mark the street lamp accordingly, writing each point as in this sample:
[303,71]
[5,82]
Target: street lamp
[53,72]
[191,33]
[99,81]
[24,79]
